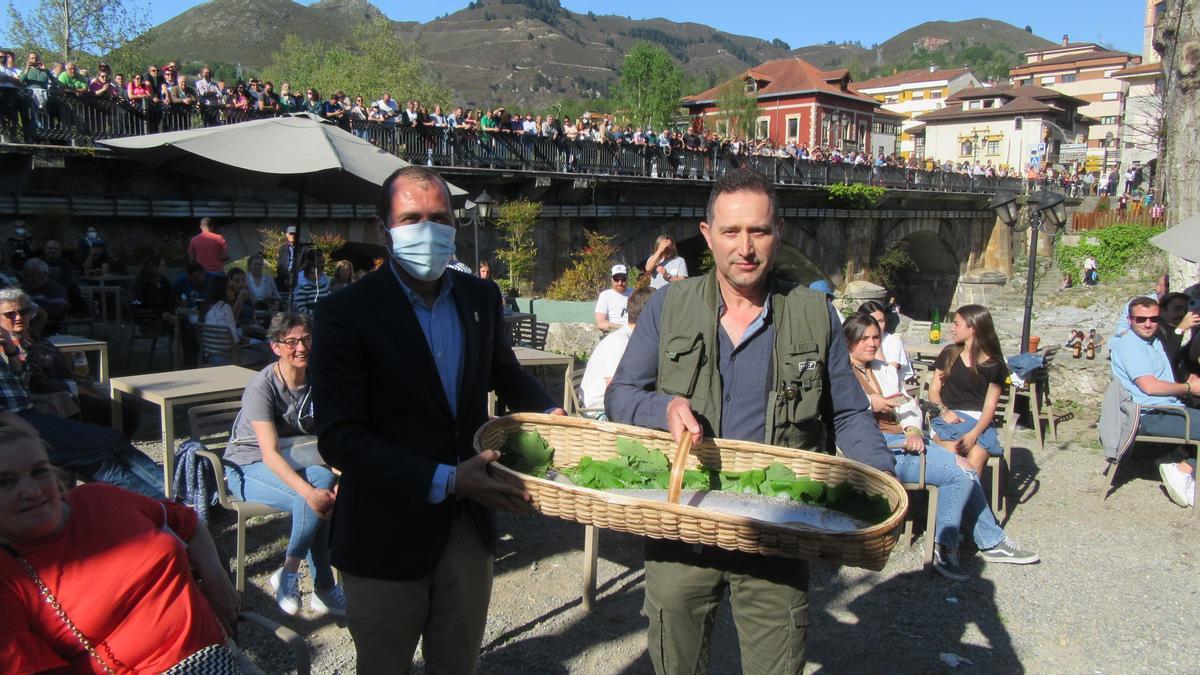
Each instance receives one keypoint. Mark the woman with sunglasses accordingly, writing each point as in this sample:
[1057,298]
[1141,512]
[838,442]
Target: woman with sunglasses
[46,371]
[277,464]
[969,376]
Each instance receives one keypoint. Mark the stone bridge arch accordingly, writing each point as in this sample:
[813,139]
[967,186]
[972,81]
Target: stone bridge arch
[941,256]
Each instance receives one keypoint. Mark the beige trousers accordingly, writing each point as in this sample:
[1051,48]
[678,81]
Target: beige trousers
[447,610]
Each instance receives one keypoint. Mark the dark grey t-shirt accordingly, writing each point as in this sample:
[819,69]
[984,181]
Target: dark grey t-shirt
[266,399]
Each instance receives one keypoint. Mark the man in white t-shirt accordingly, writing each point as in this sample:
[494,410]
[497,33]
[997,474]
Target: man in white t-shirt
[665,265]
[607,355]
[610,306]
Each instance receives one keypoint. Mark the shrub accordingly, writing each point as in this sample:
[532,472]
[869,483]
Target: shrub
[854,196]
[590,273]
[888,266]
[515,222]
[1119,249]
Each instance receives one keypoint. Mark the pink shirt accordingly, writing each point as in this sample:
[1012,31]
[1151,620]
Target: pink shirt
[208,249]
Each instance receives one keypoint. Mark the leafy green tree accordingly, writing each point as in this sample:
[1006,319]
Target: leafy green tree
[737,108]
[69,29]
[516,221]
[373,62]
[651,85]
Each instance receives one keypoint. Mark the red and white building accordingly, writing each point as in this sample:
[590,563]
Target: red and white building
[798,103]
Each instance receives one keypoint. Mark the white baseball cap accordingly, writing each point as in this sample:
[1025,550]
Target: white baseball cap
[619,269]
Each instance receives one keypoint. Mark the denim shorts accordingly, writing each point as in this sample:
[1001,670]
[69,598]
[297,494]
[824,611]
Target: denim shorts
[946,431]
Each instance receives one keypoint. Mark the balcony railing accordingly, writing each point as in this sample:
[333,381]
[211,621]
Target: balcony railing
[81,120]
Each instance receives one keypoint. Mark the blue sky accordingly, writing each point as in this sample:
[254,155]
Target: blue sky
[1118,22]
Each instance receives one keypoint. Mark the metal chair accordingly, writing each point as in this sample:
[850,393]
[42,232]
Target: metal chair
[212,424]
[218,345]
[530,334]
[1112,465]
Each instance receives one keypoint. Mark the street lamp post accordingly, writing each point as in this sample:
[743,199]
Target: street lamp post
[1046,207]
[473,213]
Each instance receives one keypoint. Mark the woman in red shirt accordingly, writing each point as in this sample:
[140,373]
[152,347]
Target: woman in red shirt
[118,570]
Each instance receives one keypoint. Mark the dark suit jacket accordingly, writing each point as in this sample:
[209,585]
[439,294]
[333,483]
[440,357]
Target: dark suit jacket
[383,418]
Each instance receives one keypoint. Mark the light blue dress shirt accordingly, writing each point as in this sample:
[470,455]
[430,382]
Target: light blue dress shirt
[443,332]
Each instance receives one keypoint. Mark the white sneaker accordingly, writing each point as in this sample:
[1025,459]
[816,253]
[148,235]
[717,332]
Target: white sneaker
[287,590]
[329,601]
[1181,487]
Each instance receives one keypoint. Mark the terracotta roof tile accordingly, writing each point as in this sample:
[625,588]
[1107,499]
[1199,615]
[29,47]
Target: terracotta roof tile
[909,77]
[784,76]
[1073,58]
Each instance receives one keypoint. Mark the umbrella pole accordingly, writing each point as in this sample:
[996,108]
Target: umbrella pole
[296,256]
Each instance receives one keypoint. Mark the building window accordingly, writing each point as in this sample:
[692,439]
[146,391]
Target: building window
[891,99]
[936,93]
[919,147]
[1108,119]
[1111,96]
[975,105]
[967,149]
[918,95]
[1068,78]
[793,128]
[1049,79]
[1018,122]
[993,147]
[751,85]
[762,129]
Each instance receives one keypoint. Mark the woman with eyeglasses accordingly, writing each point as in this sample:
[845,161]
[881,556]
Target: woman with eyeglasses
[276,463]
[969,376]
[46,371]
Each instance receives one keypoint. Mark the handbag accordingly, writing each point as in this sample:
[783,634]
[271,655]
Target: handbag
[218,659]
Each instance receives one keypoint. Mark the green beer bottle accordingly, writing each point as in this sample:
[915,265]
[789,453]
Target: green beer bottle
[935,329]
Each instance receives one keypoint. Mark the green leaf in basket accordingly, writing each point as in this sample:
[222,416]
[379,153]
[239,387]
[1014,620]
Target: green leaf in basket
[527,452]
[640,457]
[604,475]
[779,472]
[696,480]
[854,502]
[750,481]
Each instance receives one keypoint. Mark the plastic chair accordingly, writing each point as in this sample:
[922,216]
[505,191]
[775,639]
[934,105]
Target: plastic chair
[212,424]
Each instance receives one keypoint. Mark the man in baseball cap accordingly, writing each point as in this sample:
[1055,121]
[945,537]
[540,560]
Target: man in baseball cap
[611,305]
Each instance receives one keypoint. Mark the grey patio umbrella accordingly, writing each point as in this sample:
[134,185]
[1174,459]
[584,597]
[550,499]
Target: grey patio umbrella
[1182,240]
[300,151]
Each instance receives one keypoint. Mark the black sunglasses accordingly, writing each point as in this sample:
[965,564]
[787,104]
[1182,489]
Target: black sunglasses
[1135,319]
[621,278]
[25,313]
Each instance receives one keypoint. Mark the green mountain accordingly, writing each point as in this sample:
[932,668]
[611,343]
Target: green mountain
[535,52]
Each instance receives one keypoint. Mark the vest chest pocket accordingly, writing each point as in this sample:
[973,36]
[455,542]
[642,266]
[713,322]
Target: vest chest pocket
[684,356]
[801,381]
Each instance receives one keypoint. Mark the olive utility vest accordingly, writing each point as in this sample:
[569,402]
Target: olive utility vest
[688,359]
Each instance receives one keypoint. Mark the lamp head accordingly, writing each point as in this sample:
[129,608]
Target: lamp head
[485,204]
[1053,208]
[1006,207]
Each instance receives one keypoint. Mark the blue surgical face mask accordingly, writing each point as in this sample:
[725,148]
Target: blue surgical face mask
[423,249]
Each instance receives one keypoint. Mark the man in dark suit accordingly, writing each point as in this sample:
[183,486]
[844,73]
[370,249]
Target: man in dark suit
[401,367]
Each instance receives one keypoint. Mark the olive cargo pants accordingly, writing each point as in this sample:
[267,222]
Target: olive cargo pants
[684,588]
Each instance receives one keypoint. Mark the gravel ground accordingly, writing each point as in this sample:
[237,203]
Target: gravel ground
[1115,591]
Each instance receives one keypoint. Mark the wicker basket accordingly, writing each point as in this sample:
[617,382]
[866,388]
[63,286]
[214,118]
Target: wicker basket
[572,438]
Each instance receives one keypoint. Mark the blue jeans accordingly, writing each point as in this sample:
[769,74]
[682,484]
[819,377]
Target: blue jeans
[952,432]
[310,533]
[97,453]
[961,501]
[1170,422]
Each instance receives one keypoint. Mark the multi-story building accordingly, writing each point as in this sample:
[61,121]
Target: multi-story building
[1141,125]
[885,132]
[797,103]
[1004,126]
[915,92]
[1085,71]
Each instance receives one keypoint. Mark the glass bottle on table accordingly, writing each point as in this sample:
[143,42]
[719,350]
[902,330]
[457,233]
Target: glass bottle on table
[935,329]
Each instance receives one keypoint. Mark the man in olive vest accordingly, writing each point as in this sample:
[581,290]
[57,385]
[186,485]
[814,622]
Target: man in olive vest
[739,353]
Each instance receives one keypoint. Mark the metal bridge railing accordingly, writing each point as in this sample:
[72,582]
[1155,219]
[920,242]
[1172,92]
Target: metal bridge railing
[62,118]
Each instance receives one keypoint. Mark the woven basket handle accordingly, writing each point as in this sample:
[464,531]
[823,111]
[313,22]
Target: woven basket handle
[677,466]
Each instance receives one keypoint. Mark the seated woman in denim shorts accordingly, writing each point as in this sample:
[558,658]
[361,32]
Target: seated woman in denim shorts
[969,376]
[961,501]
